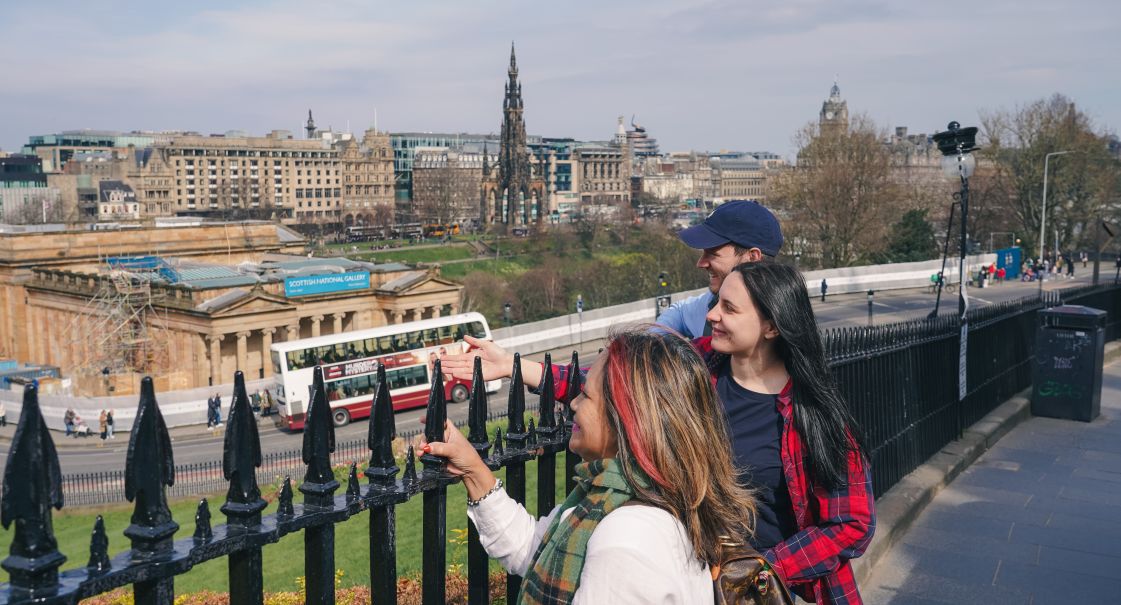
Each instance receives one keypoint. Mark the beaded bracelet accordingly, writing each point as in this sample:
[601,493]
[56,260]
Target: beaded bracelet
[497,486]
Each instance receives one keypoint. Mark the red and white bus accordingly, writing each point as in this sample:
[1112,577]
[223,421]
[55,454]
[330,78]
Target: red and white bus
[350,363]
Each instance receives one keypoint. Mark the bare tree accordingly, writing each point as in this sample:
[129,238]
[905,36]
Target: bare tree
[37,209]
[841,198]
[1083,185]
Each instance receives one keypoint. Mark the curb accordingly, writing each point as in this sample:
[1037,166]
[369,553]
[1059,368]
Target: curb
[897,509]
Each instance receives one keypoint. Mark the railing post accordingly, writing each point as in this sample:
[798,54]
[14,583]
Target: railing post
[319,488]
[240,459]
[516,438]
[572,388]
[383,519]
[478,563]
[149,470]
[32,485]
[547,431]
[434,532]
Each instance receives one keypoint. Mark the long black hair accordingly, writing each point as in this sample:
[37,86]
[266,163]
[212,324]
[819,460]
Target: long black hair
[827,428]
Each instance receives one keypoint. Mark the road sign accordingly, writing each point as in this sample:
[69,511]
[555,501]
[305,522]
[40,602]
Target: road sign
[661,303]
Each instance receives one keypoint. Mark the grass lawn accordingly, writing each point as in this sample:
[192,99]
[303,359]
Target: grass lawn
[504,266]
[284,561]
[421,255]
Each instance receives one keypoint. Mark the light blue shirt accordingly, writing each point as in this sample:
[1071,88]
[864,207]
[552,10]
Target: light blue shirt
[687,317]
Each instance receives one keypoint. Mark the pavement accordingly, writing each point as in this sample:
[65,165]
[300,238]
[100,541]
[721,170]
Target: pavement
[1020,510]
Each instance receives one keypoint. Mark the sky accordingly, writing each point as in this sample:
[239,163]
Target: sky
[703,75]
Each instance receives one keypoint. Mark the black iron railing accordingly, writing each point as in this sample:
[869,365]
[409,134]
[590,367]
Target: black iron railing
[900,381]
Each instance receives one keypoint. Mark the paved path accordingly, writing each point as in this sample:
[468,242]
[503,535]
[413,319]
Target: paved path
[1037,519]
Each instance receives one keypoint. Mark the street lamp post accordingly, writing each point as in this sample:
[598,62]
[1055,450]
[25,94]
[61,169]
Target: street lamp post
[871,294]
[1043,213]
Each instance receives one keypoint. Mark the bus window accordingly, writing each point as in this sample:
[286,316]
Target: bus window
[400,343]
[326,353]
[371,346]
[476,329]
[431,337]
[446,335]
[276,364]
[407,377]
[414,340]
[460,331]
[295,360]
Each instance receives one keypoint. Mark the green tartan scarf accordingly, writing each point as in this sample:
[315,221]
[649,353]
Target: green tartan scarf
[555,574]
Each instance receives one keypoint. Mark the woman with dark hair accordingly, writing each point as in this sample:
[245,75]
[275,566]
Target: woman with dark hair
[791,429]
[656,489]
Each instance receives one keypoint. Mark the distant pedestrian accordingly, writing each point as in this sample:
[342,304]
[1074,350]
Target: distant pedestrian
[3,415]
[217,410]
[824,288]
[103,425]
[1070,267]
[1085,257]
[1001,273]
[109,423]
[68,420]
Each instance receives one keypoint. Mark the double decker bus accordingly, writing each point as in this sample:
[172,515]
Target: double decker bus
[350,362]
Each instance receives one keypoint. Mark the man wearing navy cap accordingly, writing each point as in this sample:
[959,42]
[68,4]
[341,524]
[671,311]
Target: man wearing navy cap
[736,232]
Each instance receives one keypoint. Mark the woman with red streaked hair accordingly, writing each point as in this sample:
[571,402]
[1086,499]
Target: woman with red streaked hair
[649,430]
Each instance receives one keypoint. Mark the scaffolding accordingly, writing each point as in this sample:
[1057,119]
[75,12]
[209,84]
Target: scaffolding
[120,329]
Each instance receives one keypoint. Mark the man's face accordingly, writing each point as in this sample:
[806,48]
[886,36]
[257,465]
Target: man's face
[719,261]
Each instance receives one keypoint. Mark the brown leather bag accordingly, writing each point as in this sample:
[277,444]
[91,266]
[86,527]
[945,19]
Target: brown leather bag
[744,577]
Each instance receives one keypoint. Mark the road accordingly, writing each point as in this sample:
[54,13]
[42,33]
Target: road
[195,445]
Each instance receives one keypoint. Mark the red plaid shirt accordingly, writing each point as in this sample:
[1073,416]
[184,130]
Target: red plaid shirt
[833,527]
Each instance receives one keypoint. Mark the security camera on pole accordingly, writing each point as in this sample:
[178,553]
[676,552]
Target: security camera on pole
[957,145]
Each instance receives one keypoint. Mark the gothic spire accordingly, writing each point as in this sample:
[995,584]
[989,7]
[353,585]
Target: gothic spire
[513,61]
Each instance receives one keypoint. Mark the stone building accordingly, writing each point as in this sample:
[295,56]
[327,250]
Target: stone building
[318,181]
[604,174]
[739,178]
[186,305]
[834,116]
[446,184]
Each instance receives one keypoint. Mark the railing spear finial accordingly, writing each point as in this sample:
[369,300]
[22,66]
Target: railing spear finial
[32,485]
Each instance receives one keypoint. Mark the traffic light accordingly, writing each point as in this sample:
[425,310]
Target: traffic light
[663,280]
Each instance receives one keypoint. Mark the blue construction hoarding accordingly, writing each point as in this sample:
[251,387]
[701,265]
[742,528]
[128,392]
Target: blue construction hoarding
[1009,259]
[323,284]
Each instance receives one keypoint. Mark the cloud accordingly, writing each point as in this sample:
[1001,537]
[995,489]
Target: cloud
[708,74]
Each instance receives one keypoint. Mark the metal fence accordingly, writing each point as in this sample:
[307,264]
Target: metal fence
[898,379]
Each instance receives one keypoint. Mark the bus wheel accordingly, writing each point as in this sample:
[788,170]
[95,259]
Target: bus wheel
[459,393]
[341,417]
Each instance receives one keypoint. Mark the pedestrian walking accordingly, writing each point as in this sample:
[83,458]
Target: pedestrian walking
[736,232]
[103,426]
[1070,267]
[824,288]
[655,490]
[68,421]
[210,412]
[1085,257]
[217,410]
[109,423]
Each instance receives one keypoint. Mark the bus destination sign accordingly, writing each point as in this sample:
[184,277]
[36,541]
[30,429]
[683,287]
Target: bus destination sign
[323,284]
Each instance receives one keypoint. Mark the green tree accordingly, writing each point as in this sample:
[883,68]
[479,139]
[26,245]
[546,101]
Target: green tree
[911,239]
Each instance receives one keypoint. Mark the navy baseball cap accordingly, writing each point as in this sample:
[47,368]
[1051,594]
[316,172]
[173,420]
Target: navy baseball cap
[742,222]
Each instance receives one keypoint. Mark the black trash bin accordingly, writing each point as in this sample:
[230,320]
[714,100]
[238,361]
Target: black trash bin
[1069,351]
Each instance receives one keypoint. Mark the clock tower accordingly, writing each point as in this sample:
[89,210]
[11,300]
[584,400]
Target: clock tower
[834,112]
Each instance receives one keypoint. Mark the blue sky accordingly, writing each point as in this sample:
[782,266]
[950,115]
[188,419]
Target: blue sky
[720,74]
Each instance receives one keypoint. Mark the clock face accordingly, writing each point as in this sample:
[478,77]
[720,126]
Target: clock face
[829,115]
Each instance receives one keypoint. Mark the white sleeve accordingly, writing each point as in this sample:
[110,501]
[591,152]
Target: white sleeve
[640,554]
[507,531]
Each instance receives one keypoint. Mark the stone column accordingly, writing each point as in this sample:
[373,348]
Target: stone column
[435,311]
[315,319]
[398,317]
[338,322]
[455,308]
[243,351]
[216,358]
[266,354]
[418,313]
[199,341]
[293,332]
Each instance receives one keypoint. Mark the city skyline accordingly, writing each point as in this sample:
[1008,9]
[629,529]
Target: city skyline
[712,75]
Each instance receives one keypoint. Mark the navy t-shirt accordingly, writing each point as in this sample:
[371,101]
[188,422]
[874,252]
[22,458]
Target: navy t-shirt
[755,425]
